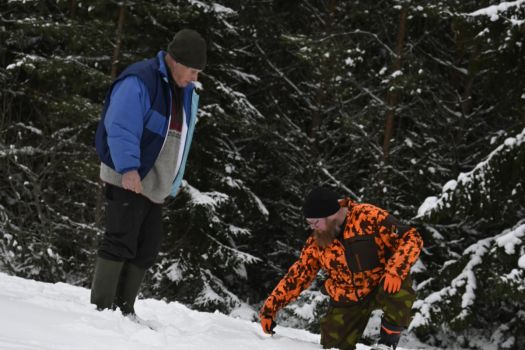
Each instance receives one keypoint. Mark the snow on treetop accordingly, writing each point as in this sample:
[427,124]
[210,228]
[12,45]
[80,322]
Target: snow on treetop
[214,7]
[211,199]
[433,203]
[494,11]
[509,240]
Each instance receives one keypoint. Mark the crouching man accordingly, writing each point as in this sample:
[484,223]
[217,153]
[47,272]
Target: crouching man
[367,255]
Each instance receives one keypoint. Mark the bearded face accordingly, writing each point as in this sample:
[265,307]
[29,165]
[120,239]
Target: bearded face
[325,234]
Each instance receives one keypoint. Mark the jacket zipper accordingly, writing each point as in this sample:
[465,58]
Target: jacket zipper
[358,262]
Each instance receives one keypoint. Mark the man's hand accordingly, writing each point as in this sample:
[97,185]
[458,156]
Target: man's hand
[268,325]
[392,283]
[131,181]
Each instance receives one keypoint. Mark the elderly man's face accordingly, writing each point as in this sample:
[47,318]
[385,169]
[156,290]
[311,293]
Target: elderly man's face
[183,75]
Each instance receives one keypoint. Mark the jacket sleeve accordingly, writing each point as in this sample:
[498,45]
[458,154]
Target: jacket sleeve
[299,277]
[404,242]
[124,122]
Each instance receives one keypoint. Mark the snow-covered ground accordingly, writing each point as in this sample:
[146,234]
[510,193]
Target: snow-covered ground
[44,316]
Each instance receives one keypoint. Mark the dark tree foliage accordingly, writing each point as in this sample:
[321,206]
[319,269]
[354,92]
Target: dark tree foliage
[386,101]
[474,283]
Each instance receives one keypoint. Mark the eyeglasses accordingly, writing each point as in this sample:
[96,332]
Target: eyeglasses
[313,222]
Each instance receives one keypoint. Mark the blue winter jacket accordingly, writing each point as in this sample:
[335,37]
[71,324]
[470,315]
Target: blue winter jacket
[135,119]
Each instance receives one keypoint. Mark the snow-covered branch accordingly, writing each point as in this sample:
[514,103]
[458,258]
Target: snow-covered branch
[479,174]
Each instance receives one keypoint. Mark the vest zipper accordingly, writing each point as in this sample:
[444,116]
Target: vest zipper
[169,120]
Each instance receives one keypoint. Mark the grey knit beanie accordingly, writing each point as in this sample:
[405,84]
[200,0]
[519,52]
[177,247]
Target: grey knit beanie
[189,48]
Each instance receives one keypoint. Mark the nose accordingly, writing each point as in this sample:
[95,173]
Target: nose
[313,224]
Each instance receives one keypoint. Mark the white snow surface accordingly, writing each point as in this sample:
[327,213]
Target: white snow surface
[44,316]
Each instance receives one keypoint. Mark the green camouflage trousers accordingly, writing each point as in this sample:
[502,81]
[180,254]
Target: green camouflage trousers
[342,326]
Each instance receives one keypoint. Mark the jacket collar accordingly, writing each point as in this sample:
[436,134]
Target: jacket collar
[347,202]
[163,69]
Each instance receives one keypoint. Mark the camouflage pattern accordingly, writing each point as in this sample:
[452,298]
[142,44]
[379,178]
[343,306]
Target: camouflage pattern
[342,326]
[397,307]
[373,243]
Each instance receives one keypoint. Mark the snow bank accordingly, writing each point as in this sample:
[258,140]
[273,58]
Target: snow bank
[44,316]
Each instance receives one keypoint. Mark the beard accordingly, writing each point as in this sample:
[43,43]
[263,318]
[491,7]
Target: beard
[323,238]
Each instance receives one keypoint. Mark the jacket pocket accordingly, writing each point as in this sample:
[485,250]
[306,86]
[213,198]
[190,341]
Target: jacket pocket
[361,253]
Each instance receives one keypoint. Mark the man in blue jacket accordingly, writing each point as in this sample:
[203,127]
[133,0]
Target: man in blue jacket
[143,140]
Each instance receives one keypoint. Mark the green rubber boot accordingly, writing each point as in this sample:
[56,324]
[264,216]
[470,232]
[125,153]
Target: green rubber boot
[105,282]
[128,288]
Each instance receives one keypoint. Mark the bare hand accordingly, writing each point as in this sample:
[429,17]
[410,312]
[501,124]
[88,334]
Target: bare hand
[131,181]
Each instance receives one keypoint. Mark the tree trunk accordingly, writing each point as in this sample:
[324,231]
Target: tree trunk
[114,67]
[392,94]
[118,40]
[523,104]
[320,98]
[72,8]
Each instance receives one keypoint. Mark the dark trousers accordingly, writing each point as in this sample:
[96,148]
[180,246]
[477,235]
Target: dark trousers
[133,228]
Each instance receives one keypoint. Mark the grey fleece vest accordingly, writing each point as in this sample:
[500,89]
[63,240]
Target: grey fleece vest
[156,186]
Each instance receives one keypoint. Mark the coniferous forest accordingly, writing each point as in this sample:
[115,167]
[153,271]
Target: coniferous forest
[414,106]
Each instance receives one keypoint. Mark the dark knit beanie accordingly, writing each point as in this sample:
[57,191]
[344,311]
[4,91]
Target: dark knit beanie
[189,48]
[320,203]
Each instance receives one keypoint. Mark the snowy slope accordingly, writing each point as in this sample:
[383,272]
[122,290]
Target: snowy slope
[43,316]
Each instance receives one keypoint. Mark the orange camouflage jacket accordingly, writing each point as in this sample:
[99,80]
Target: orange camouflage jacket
[373,243]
